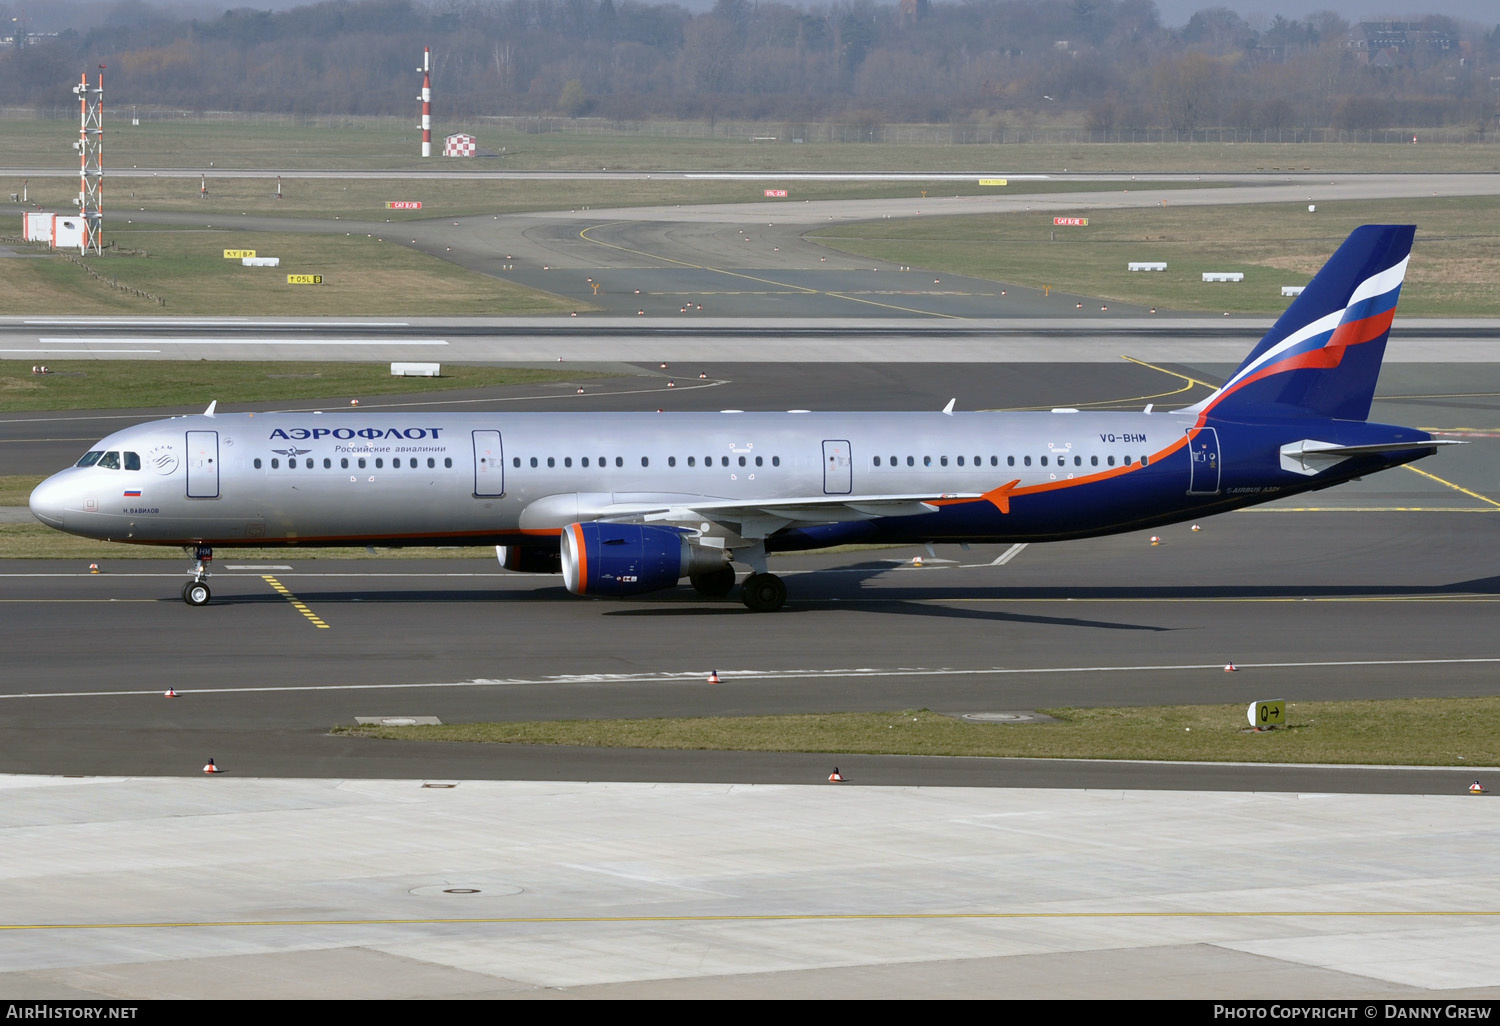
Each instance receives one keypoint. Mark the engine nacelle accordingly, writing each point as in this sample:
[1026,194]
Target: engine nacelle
[629,559]
[529,559]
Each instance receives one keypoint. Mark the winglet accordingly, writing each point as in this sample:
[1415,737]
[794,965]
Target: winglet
[949,408]
[210,411]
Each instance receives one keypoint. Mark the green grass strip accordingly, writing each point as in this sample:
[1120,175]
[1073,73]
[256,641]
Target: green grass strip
[1414,732]
[1452,271]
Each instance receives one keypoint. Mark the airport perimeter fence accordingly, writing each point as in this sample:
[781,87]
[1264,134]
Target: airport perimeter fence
[770,132]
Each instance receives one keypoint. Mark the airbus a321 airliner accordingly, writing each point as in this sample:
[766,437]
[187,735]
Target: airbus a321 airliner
[625,504]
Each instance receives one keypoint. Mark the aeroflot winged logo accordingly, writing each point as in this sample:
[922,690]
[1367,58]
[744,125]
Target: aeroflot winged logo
[369,433]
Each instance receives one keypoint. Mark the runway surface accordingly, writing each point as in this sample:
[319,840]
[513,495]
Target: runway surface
[595,872]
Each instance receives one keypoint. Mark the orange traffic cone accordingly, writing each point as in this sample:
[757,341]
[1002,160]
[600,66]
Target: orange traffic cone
[836,777]
[169,693]
[93,568]
[1155,540]
[211,768]
[1476,788]
[1197,528]
[1231,668]
[713,676]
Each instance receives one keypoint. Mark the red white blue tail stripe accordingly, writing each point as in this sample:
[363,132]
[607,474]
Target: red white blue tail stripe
[1323,355]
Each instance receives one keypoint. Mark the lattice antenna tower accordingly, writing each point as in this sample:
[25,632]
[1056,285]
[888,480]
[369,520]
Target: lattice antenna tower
[90,147]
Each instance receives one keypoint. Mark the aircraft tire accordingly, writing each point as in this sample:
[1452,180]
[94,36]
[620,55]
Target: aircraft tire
[715,584]
[196,593]
[763,593]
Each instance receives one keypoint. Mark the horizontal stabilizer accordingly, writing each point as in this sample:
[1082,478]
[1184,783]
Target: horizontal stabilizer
[1311,457]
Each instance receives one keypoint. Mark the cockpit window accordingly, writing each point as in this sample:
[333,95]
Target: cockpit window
[132,461]
[110,460]
[88,459]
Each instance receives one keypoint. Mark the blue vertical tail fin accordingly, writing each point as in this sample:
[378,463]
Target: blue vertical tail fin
[1322,357]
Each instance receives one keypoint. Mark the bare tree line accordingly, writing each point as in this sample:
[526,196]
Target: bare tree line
[1105,65]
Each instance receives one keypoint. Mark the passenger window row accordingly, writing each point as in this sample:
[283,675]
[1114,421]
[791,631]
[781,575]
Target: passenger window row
[619,461]
[1010,461]
[362,463]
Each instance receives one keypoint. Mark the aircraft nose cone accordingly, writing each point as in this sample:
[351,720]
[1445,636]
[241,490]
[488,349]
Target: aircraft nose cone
[48,501]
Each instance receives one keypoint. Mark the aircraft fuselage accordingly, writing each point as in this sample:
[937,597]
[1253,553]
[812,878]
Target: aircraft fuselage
[399,479]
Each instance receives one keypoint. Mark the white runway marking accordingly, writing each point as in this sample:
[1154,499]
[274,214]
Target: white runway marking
[187,340]
[735,676]
[40,349]
[1009,554]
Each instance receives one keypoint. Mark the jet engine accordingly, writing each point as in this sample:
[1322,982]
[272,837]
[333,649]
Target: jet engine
[629,559]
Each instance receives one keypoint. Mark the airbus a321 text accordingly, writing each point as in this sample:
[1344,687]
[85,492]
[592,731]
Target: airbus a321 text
[625,504]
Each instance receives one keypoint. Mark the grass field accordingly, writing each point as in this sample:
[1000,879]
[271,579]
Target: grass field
[390,144]
[362,276]
[1455,265]
[1454,268]
[1453,273]
[1415,732]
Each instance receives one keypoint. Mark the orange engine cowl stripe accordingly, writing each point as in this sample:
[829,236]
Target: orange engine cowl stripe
[581,557]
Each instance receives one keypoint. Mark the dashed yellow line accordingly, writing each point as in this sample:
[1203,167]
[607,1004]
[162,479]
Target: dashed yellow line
[297,603]
[1457,488]
[1175,374]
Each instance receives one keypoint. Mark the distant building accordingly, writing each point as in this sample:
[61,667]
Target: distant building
[1393,43]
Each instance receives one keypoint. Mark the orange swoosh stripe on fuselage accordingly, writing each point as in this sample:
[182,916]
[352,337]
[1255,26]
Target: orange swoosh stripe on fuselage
[1000,497]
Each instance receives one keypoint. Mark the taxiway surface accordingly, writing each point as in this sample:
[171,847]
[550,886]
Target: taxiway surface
[1370,590]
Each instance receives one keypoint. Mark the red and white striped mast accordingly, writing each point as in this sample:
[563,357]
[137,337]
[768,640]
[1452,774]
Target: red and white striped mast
[426,101]
[90,146]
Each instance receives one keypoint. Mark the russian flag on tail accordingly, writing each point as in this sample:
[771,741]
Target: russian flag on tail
[1323,355]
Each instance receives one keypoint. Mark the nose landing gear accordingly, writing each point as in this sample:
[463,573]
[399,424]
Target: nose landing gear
[195,592]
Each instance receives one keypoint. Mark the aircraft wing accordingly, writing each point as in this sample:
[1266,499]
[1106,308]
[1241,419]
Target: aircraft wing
[753,519]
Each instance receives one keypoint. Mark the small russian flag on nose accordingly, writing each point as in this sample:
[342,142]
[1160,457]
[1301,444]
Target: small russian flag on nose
[132,495]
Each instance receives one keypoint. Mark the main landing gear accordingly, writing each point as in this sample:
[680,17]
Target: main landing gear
[763,593]
[195,592]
